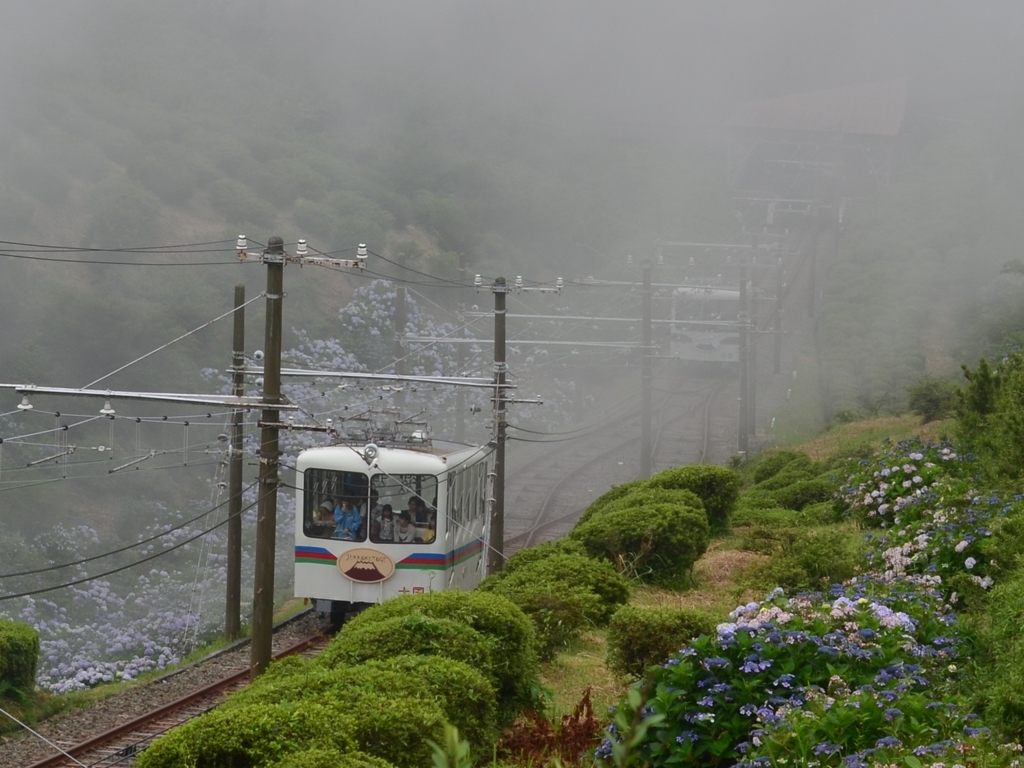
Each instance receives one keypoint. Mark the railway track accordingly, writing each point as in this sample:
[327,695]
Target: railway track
[120,744]
[554,488]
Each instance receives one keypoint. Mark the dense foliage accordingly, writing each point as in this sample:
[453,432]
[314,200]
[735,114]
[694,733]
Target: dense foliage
[656,542]
[19,657]
[508,631]
[717,487]
[562,592]
[866,671]
[639,638]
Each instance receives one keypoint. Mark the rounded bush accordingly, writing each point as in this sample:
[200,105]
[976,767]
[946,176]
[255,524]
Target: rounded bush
[803,493]
[639,638]
[608,497]
[786,477]
[769,465]
[514,669]
[804,559]
[331,758]
[756,499]
[594,577]
[777,517]
[656,542]
[532,554]
[19,656]
[412,633]
[397,728]
[679,497]
[717,487]
[558,611]
[256,735]
[465,696]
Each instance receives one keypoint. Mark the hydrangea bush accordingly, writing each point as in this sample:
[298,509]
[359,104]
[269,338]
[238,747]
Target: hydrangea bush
[861,675]
[141,619]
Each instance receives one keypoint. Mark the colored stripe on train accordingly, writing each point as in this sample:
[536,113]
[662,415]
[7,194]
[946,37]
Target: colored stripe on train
[314,555]
[426,561]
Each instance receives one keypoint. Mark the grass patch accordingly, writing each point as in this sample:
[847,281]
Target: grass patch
[848,439]
[579,668]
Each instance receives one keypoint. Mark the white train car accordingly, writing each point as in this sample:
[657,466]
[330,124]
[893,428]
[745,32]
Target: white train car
[375,522]
[701,316]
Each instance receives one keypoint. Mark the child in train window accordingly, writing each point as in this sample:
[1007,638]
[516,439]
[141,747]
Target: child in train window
[430,532]
[387,524]
[405,531]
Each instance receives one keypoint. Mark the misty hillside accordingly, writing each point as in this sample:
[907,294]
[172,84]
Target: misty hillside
[530,140]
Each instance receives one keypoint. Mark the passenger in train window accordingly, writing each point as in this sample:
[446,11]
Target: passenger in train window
[405,531]
[323,519]
[417,510]
[386,524]
[373,515]
[347,520]
[430,531]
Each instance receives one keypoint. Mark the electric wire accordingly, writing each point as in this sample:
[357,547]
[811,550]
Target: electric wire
[176,248]
[111,572]
[173,341]
[125,548]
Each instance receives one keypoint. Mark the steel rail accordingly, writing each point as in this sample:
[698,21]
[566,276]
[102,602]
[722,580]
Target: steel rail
[97,750]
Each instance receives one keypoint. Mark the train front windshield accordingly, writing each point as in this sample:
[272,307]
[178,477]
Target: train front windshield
[384,509]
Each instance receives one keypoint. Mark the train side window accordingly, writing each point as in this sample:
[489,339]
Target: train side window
[412,523]
[325,492]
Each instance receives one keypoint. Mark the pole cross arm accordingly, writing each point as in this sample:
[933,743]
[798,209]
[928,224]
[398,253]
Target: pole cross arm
[225,401]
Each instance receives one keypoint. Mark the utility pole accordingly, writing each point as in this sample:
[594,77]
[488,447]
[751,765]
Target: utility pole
[401,316]
[812,279]
[645,379]
[266,524]
[233,603]
[496,553]
[751,395]
[744,317]
[777,318]
[460,396]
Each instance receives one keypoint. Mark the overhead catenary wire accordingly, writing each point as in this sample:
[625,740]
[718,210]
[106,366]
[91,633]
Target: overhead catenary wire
[185,335]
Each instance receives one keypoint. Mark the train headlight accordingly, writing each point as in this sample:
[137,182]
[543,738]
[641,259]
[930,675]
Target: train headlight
[370,452]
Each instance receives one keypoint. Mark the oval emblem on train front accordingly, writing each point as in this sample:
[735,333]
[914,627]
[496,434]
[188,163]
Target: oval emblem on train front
[365,565]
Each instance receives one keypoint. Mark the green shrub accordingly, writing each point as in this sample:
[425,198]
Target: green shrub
[466,698]
[756,499]
[562,593]
[658,543]
[769,465]
[822,513]
[595,577]
[514,669]
[19,657]
[557,610]
[1005,549]
[718,488]
[331,758]
[803,493]
[606,498]
[641,637]
[804,559]
[531,555]
[412,633]
[786,477]
[646,495]
[998,688]
[933,399]
[767,518]
[256,735]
